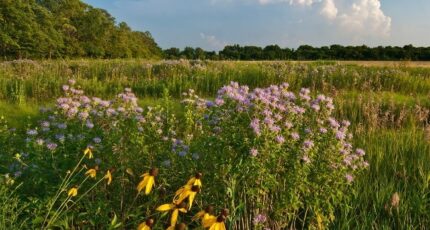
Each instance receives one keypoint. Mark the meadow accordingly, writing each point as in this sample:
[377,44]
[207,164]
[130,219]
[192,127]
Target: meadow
[138,115]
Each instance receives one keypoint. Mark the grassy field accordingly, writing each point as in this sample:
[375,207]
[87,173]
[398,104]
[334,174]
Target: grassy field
[387,103]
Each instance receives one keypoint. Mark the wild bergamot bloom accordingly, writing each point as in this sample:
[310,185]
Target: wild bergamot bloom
[219,223]
[195,180]
[73,191]
[91,173]
[108,176]
[175,208]
[147,225]
[206,216]
[88,152]
[148,181]
[186,192]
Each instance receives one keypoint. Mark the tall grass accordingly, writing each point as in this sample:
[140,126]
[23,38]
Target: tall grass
[388,107]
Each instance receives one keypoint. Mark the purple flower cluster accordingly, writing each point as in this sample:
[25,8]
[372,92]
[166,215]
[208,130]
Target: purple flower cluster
[303,121]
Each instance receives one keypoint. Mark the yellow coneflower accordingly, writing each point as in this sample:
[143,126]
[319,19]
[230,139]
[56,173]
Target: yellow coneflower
[73,191]
[91,173]
[88,152]
[108,176]
[148,181]
[175,208]
[206,216]
[195,180]
[186,192]
[180,226]
[219,223]
[147,225]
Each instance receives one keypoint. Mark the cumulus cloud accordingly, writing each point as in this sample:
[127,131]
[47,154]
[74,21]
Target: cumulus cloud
[329,9]
[361,17]
[212,41]
[366,15]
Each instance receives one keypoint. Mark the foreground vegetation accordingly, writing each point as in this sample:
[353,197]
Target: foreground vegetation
[181,134]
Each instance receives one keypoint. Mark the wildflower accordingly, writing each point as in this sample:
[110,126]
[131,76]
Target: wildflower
[97,140]
[360,152]
[88,152]
[280,139]
[253,152]
[185,192]
[349,178]
[395,200]
[295,136]
[175,208]
[148,181]
[73,192]
[108,177]
[91,173]
[51,146]
[195,180]
[259,219]
[206,216]
[180,226]
[219,223]
[32,132]
[147,225]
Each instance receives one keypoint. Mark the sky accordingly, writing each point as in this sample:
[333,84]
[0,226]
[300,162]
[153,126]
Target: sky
[212,24]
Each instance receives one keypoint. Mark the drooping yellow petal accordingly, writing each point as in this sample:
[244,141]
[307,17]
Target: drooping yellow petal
[142,184]
[208,221]
[108,177]
[91,173]
[182,189]
[217,226]
[144,175]
[174,218]
[88,152]
[150,184]
[143,226]
[72,192]
[199,215]
[191,199]
[183,196]
[165,207]
[198,182]
[171,228]
[183,210]
[191,181]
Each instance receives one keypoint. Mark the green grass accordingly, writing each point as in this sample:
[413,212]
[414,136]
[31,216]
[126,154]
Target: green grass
[387,106]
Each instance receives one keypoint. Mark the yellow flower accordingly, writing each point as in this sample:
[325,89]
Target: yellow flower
[147,181]
[196,180]
[108,176]
[91,173]
[206,216]
[186,192]
[180,226]
[73,192]
[147,225]
[88,152]
[175,208]
[219,224]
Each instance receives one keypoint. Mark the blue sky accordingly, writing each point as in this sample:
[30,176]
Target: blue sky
[211,24]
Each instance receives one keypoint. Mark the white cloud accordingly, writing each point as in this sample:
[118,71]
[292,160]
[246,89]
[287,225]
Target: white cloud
[212,41]
[359,17]
[329,9]
[365,16]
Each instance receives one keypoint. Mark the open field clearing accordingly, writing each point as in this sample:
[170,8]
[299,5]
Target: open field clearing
[77,135]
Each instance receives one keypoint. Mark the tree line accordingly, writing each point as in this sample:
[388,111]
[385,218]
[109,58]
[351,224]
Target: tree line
[67,28]
[304,52]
